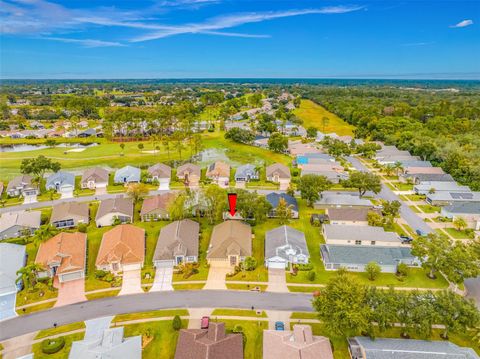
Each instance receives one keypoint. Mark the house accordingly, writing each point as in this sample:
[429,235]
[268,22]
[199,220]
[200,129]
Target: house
[22,186]
[285,245]
[12,259]
[366,348]
[427,187]
[445,198]
[127,174]
[102,342]
[20,223]
[279,173]
[426,177]
[189,174]
[122,248]
[112,209]
[64,256]
[162,174]
[219,173]
[274,199]
[341,199]
[246,173]
[359,235]
[89,132]
[355,258]
[348,216]
[422,170]
[298,148]
[314,158]
[69,214]
[94,178]
[177,244]
[61,182]
[261,141]
[391,159]
[299,343]
[415,163]
[333,171]
[211,343]
[156,208]
[231,242]
[469,211]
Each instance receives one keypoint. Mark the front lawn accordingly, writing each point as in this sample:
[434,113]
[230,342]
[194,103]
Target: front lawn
[189,286]
[238,313]
[108,293]
[61,329]
[300,289]
[253,331]
[152,314]
[63,353]
[457,234]
[303,315]
[427,208]
[236,286]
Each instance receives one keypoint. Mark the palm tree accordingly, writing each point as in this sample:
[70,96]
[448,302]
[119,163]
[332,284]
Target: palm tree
[459,223]
[45,232]
[398,167]
[388,169]
[28,275]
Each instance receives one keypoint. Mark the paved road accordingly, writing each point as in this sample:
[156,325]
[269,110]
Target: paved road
[386,193]
[151,301]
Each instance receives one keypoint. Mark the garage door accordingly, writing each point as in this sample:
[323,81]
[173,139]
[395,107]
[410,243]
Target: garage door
[276,265]
[164,264]
[70,276]
[132,267]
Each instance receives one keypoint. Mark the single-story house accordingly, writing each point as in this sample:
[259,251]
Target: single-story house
[334,172]
[127,174]
[422,170]
[12,259]
[69,214]
[231,242]
[89,132]
[279,173]
[426,177]
[219,173]
[299,343]
[359,235]
[391,159]
[211,343]
[298,148]
[341,199]
[22,186]
[355,258]
[94,178]
[61,182]
[415,163]
[64,256]
[285,245]
[366,348]
[162,174]
[19,223]
[313,158]
[112,209]
[157,207]
[445,198]
[274,199]
[122,248]
[469,211]
[177,243]
[348,216]
[189,174]
[261,141]
[427,187]
[246,173]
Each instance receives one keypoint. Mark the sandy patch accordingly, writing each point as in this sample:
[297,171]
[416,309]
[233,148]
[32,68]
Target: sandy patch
[151,151]
[76,150]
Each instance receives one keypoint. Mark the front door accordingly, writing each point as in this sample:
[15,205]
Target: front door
[233,260]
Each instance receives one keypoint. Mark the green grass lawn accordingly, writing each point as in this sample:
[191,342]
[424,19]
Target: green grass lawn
[36,308]
[303,315]
[253,331]
[403,186]
[427,208]
[152,314]
[61,329]
[457,234]
[62,354]
[238,313]
[189,286]
[237,286]
[108,293]
[312,115]
[299,289]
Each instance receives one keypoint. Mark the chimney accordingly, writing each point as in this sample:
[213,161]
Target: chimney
[216,331]
[302,334]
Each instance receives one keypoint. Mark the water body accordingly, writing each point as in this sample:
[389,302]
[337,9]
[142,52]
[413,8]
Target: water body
[25,147]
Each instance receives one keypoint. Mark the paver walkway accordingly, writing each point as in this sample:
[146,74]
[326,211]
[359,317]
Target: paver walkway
[131,283]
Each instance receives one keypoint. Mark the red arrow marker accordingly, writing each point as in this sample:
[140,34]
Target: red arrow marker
[232,203]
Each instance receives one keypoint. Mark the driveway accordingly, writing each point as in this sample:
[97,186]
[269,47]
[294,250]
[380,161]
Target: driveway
[277,281]
[70,292]
[7,306]
[278,316]
[162,280]
[216,275]
[132,282]
[100,190]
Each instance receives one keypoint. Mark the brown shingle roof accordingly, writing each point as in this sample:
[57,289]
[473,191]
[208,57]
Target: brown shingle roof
[158,202]
[124,243]
[160,170]
[179,237]
[277,168]
[68,249]
[218,169]
[23,180]
[230,237]
[68,210]
[96,174]
[111,205]
[189,168]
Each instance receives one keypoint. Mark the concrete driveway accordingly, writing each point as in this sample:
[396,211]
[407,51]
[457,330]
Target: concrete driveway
[162,280]
[70,292]
[277,281]
[132,282]
[216,275]
[100,191]
[7,306]
[278,316]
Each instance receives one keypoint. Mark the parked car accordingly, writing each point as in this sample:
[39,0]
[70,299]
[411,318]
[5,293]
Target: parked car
[406,239]
[421,233]
[204,322]
[279,326]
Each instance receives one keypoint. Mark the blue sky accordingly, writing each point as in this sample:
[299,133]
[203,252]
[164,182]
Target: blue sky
[222,38]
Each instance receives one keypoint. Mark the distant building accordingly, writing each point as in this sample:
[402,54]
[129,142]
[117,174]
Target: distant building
[279,173]
[162,174]
[274,199]
[94,178]
[22,186]
[61,182]
[246,173]
[219,173]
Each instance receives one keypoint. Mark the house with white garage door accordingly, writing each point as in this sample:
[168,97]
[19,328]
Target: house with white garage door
[69,214]
[63,256]
[285,245]
[177,244]
[162,174]
[94,178]
[12,258]
[114,209]
[230,243]
[279,173]
[19,223]
[61,182]
[122,248]
[127,174]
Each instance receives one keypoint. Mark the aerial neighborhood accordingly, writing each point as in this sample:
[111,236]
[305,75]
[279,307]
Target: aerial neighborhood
[236,221]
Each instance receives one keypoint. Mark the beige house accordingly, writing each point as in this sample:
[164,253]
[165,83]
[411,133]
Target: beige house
[69,214]
[231,242]
[219,173]
[122,248]
[114,209]
[94,178]
[359,236]
[162,174]
[297,344]
[156,208]
[348,216]
[189,174]
[279,173]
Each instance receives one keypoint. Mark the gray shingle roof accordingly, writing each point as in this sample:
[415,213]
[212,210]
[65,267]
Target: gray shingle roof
[179,237]
[245,171]
[62,178]
[69,210]
[343,199]
[274,199]
[12,258]
[361,233]
[129,173]
[463,207]
[285,241]
[364,254]
[30,219]
[111,205]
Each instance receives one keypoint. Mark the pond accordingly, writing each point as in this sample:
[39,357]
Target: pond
[26,147]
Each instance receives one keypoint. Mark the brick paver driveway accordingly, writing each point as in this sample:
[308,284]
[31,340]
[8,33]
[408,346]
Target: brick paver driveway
[71,292]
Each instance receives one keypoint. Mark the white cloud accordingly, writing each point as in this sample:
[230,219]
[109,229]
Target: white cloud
[86,42]
[463,23]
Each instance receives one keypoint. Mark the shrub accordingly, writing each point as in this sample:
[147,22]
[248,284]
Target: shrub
[44,218]
[250,263]
[52,346]
[82,228]
[311,276]
[373,270]
[99,274]
[402,270]
[304,267]
[176,323]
